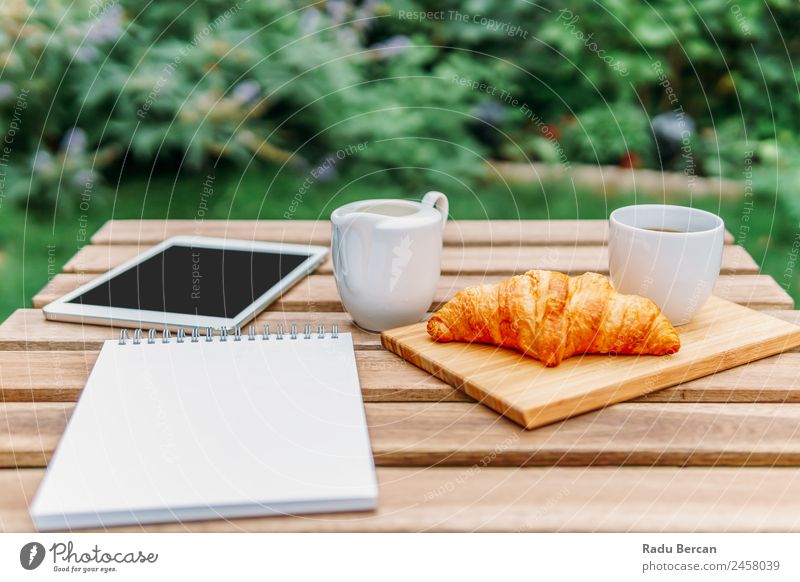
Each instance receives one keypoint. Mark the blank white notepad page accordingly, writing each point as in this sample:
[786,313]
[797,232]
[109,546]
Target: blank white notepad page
[198,430]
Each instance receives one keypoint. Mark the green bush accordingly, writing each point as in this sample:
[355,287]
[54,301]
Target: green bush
[190,85]
[610,135]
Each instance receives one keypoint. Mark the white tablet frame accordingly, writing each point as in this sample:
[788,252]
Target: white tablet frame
[62,310]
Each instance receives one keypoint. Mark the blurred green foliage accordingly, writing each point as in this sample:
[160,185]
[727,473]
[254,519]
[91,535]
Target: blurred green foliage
[191,84]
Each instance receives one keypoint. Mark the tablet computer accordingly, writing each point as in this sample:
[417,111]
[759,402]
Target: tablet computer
[187,282]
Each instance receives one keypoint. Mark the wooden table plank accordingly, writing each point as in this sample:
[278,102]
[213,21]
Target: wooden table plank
[461,232]
[29,433]
[44,376]
[625,434]
[457,232]
[461,433]
[27,329]
[460,499]
[318,292]
[573,260]
[59,376]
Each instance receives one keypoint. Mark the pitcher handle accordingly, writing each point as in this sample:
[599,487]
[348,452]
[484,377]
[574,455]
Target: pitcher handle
[438,201]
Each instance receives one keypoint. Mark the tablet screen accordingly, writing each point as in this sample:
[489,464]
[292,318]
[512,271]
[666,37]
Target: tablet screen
[195,281]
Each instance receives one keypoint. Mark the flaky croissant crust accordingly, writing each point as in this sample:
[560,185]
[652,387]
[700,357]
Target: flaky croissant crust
[550,316]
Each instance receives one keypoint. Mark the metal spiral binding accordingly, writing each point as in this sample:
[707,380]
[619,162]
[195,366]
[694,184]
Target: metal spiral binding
[252,334]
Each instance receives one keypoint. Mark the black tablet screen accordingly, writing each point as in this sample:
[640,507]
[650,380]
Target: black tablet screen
[194,281]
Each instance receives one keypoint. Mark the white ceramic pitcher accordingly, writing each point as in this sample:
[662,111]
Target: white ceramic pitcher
[387,258]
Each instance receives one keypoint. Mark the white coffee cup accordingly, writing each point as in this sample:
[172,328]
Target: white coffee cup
[669,254]
[387,258]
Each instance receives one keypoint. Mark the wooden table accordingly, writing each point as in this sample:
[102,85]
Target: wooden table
[718,453]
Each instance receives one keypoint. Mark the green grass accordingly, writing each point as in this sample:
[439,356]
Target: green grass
[35,244]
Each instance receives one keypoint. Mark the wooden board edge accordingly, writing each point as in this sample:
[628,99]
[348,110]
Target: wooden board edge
[631,388]
[443,373]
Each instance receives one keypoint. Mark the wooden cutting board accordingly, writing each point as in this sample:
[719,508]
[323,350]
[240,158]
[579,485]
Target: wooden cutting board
[723,335]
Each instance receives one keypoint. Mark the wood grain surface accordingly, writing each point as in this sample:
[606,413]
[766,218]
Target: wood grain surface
[467,434]
[59,376]
[318,292]
[461,232]
[520,499]
[722,335]
[457,232]
[27,329]
[573,260]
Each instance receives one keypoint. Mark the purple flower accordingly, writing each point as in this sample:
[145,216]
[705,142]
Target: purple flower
[84,179]
[43,162]
[106,27]
[73,142]
[347,37]
[86,54]
[246,91]
[6,91]
[337,10]
[367,9]
[309,21]
[326,169]
[392,46]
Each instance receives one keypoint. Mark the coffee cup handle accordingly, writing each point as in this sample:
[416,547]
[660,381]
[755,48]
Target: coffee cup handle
[438,201]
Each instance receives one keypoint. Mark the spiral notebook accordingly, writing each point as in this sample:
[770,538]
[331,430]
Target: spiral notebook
[209,426]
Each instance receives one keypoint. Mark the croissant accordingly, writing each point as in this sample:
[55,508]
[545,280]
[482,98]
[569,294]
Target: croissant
[550,316]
